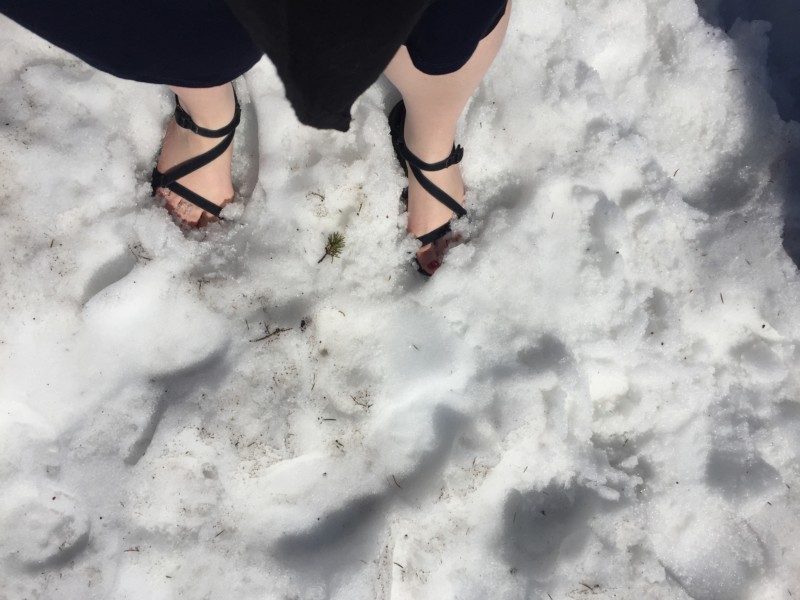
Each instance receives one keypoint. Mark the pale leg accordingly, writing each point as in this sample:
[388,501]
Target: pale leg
[434,104]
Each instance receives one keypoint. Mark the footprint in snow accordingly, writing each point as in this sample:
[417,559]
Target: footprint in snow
[42,528]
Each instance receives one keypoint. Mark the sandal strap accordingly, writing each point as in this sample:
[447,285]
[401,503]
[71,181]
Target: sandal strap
[437,192]
[193,164]
[195,199]
[456,154]
[169,179]
[397,119]
[182,119]
[434,235]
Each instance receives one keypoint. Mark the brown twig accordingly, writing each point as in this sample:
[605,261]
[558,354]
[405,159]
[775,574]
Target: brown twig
[272,333]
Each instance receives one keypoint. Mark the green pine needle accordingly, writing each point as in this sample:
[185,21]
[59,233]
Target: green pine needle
[334,246]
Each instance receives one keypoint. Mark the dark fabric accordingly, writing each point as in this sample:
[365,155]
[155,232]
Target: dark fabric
[191,43]
[448,33]
[328,52]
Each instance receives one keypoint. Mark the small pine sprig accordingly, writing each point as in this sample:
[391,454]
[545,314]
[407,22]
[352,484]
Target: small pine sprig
[334,246]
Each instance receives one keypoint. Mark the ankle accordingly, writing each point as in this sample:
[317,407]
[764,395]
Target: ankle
[430,135]
[431,146]
[210,108]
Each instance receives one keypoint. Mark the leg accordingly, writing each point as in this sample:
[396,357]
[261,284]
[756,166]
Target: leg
[211,108]
[434,104]
[136,40]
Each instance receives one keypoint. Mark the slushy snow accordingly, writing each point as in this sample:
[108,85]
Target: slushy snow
[597,396]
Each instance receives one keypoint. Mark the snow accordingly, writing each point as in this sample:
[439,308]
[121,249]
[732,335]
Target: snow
[596,397]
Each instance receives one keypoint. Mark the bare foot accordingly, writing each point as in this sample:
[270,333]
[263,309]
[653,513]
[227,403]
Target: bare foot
[212,181]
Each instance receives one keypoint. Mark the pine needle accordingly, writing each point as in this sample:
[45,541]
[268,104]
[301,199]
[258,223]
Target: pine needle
[334,246]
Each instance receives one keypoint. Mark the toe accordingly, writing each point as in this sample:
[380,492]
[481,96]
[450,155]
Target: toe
[186,213]
[429,259]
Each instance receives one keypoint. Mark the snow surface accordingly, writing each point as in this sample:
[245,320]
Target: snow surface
[596,397]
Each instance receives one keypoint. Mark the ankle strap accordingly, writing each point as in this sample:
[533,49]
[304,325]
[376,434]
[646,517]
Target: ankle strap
[455,157]
[183,119]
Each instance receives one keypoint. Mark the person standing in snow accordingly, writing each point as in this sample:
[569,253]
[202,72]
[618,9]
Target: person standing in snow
[435,52]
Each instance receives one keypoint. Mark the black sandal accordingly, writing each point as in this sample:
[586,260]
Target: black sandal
[169,179]
[407,159]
